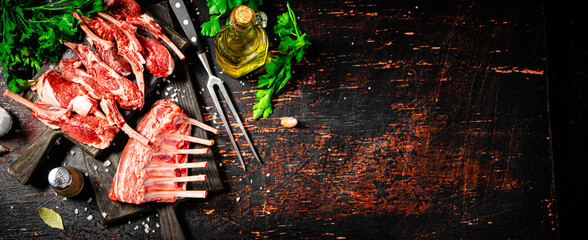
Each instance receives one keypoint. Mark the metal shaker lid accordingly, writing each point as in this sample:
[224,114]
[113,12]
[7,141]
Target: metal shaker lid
[60,177]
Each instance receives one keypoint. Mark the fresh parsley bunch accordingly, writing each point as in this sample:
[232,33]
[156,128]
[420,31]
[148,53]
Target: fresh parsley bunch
[279,68]
[217,8]
[34,31]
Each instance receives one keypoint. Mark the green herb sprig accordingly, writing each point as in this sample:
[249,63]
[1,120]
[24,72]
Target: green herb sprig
[217,8]
[33,32]
[279,69]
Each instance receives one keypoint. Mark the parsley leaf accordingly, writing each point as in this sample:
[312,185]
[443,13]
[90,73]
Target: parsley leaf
[279,69]
[218,8]
[33,32]
[211,27]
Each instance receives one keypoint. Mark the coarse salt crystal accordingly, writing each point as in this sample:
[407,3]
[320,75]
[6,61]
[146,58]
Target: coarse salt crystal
[107,163]
[104,214]
[90,217]
[76,211]
[89,200]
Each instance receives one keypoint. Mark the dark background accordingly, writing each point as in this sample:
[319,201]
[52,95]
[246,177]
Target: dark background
[567,70]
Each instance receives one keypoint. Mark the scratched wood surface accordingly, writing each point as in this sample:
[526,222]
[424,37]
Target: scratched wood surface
[417,120]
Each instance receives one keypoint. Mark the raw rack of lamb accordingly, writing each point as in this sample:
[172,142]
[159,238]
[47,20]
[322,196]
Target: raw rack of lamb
[159,172]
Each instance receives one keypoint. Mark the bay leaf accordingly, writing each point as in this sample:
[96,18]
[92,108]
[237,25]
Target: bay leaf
[51,218]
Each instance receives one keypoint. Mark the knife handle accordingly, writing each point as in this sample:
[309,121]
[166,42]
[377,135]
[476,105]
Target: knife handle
[31,158]
[181,12]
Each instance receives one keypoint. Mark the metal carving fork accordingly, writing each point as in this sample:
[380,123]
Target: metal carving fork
[181,12]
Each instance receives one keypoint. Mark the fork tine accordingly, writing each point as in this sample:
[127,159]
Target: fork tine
[230,103]
[210,86]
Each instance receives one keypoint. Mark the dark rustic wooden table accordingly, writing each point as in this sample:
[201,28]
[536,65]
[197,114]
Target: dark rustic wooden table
[417,119]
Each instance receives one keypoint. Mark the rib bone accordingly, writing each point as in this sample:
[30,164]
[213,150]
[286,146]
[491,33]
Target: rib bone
[165,151]
[195,178]
[201,125]
[191,139]
[153,196]
[176,165]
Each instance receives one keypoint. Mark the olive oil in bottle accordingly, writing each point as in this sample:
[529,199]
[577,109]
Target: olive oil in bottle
[241,46]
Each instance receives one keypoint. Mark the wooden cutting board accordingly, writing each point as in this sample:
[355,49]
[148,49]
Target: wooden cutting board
[29,161]
[101,174]
[101,171]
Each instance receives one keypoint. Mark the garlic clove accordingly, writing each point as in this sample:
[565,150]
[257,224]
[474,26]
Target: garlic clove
[5,122]
[288,122]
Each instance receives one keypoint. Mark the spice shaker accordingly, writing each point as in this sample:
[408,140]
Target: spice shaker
[66,181]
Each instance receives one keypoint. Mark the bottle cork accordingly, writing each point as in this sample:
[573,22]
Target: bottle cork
[243,16]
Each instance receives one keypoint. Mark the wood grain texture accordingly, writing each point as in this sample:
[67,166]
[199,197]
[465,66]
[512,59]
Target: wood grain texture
[417,120]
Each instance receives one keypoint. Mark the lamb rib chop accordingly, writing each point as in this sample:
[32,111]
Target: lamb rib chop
[130,11]
[53,89]
[147,23]
[74,74]
[157,172]
[122,8]
[91,130]
[159,62]
[102,40]
[71,70]
[126,93]
[129,47]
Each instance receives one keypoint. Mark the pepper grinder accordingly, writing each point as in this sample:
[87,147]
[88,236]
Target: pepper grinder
[66,181]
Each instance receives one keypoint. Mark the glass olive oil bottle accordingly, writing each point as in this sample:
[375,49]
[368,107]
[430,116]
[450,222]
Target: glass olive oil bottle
[241,46]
